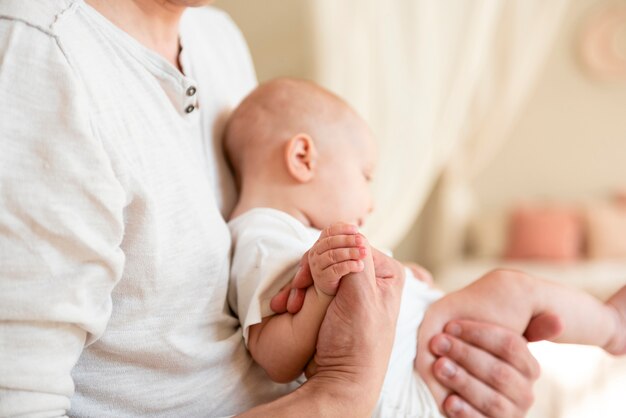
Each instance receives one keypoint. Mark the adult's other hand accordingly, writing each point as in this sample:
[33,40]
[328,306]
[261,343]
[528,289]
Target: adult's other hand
[478,369]
[485,370]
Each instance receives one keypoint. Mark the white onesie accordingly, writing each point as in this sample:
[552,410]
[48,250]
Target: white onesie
[267,246]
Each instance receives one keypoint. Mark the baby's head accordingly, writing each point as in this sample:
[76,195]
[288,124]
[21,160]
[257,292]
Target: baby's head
[296,147]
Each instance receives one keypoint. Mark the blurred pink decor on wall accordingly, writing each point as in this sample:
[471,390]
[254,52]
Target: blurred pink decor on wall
[547,233]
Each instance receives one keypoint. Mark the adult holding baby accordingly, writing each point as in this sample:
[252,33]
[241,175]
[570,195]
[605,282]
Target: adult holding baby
[113,252]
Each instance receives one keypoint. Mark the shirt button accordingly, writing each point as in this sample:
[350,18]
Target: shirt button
[189,108]
[191,91]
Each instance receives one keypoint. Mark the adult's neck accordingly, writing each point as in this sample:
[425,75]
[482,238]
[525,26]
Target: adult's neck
[154,23]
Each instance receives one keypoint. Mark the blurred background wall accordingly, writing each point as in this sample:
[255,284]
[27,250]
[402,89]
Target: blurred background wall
[568,142]
[560,151]
[280,35]
[570,138]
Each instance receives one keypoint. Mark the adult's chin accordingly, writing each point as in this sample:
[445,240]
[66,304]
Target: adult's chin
[190,3]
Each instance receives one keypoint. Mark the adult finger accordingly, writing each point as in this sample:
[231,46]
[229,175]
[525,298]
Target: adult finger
[278,304]
[500,342]
[544,327]
[480,398]
[356,336]
[385,266]
[456,407]
[303,278]
[282,302]
[494,372]
[295,300]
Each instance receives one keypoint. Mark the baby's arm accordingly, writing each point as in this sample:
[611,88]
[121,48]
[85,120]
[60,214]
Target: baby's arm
[512,299]
[283,344]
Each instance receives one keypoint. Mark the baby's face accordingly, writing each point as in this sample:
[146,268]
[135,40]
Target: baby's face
[343,187]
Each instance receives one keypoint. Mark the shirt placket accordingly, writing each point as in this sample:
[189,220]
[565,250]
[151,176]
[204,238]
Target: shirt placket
[190,98]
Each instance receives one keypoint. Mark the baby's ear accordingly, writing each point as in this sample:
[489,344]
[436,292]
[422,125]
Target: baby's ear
[301,157]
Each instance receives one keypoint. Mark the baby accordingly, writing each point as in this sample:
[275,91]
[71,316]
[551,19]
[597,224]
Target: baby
[303,161]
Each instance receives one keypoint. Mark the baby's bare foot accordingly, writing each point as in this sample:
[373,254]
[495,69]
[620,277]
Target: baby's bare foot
[617,345]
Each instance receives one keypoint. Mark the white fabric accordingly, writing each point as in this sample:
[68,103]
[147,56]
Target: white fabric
[404,393]
[111,241]
[267,246]
[432,78]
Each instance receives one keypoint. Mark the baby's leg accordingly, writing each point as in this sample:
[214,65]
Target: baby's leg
[404,394]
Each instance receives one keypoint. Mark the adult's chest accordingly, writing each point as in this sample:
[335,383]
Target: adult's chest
[175,242]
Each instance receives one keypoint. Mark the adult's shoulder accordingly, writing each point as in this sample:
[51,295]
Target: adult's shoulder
[32,32]
[41,15]
[32,47]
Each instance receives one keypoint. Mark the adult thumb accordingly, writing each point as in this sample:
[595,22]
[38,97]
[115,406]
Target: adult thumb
[545,326]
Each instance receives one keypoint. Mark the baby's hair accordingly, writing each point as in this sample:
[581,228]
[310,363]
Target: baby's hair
[273,113]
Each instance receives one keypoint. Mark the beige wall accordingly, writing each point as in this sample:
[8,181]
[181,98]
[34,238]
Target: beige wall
[570,141]
[279,34]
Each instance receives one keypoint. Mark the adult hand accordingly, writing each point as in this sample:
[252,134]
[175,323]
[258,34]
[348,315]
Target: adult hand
[488,369]
[353,348]
[357,333]
[386,267]
[484,370]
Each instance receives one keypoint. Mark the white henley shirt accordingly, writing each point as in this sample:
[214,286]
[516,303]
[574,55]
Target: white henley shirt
[114,257]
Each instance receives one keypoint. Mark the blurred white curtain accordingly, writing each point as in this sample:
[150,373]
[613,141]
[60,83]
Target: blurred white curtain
[439,81]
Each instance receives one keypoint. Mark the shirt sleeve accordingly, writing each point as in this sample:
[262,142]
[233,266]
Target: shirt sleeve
[61,225]
[266,254]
